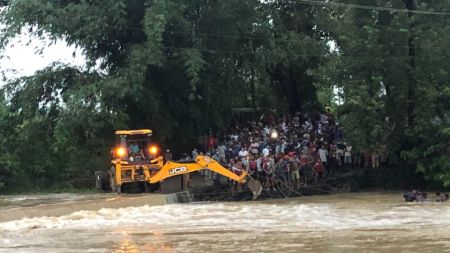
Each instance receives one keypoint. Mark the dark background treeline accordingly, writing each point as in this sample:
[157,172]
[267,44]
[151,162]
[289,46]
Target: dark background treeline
[179,67]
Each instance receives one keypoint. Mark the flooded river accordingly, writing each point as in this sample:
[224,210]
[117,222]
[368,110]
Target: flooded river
[359,222]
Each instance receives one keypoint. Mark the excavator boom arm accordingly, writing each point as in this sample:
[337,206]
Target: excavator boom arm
[171,169]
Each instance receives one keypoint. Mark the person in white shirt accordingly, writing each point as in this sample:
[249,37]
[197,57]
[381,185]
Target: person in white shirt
[243,155]
[348,156]
[254,147]
[259,165]
[221,152]
[235,137]
[283,147]
[323,119]
[323,155]
[194,153]
[284,127]
[266,151]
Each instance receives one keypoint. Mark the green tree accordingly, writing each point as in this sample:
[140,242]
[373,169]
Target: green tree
[388,65]
[178,67]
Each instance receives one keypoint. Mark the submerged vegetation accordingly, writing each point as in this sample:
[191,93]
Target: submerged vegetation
[179,67]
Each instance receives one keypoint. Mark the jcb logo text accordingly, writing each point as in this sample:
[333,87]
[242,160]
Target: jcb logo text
[177,170]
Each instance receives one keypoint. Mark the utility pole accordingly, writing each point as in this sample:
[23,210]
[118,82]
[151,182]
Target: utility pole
[411,6]
[253,89]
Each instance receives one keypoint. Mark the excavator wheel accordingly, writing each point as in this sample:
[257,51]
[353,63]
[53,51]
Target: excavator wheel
[152,187]
[102,181]
[136,188]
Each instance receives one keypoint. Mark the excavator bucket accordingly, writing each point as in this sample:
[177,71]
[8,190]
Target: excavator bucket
[255,187]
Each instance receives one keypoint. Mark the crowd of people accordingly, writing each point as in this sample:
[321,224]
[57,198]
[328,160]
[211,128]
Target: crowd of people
[291,150]
[294,150]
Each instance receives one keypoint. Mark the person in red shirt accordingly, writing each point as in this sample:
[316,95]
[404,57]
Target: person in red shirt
[211,143]
[306,168]
[318,167]
[252,166]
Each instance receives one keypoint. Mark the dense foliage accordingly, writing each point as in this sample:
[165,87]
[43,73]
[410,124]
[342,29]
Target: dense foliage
[179,67]
[391,68]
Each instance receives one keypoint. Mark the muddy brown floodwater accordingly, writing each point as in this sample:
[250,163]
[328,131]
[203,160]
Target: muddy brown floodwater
[361,222]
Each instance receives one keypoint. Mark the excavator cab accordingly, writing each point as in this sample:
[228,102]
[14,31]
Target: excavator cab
[135,146]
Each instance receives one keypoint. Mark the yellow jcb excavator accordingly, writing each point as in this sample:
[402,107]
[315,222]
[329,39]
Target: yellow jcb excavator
[138,160]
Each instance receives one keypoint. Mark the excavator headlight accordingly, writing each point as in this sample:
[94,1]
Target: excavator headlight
[274,135]
[120,152]
[153,150]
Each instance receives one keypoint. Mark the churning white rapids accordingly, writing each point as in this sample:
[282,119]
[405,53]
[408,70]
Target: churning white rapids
[363,222]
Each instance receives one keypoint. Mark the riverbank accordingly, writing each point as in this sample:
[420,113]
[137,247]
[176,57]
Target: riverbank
[19,206]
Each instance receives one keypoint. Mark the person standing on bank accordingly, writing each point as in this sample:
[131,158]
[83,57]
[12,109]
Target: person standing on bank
[323,155]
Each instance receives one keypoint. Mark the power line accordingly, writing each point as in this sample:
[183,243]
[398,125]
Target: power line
[258,38]
[370,7]
[208,50]
[233,51]
[200,34]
